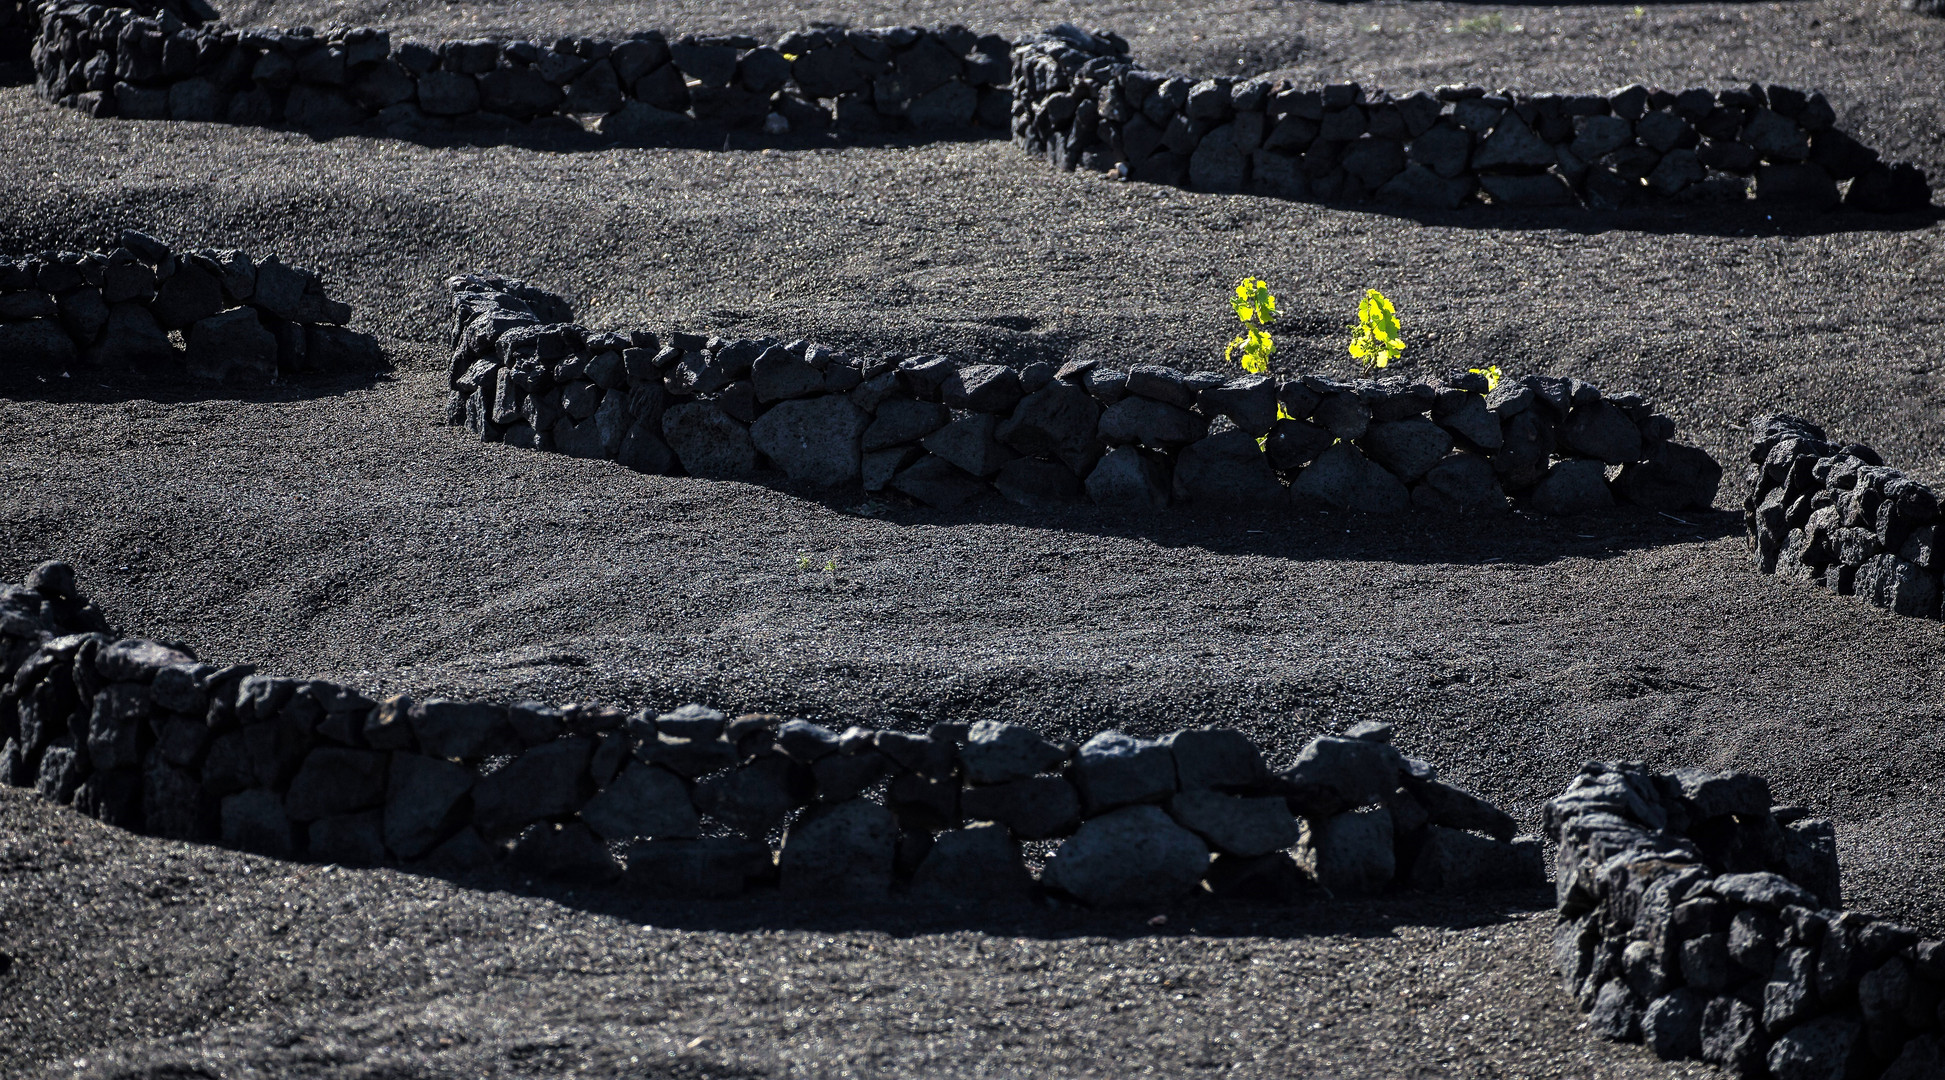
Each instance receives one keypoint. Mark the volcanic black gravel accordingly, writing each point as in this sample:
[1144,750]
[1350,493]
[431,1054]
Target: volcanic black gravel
[341,530]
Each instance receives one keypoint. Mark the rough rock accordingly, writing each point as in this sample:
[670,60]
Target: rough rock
[254,820]
[1236,825]
[1343,477]
[1113,769]
[1408,448]
[1602,431]
[845,849]
[334,781]
[1057,421]
[709,442]
[1130,479]
[1227,469]
[1333,774]
[643,801]
[546,781]
[1215,758]
[1350,853]
[976,864]
[232,346]
[1573,486]
[1135,855]
[903,420]
[814,441]
[995,753]
[1032,807]
[937,482]
[968,443]
[1147,422]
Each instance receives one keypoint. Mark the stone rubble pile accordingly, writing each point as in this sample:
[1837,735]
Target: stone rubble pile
[1837,516]
[682,804]
[1082,102]
[142,310]
[946,433]
[119,62]
[1704,922]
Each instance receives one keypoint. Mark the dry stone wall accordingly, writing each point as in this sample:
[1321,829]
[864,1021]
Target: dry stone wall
[119,62]
[1703,921]
[146,311]
[1082,102]
[685,803]
[20,22]
[1074,97]
[1836,516]
[945,433]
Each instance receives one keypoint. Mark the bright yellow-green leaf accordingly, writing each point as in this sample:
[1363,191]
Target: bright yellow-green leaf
[1256,309]
[1376,339]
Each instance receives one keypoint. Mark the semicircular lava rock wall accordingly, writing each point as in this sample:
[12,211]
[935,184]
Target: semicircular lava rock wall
[1834,515]
[944,433]
[1703,921]
[140,735]
[1074,97]
[141,310]
[1080,101]
[116,62]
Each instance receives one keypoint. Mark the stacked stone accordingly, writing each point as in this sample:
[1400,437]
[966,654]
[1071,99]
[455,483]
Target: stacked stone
[20,22]
[1838,517]
[944,433]
[124,311]
[1079,100]
[682,804]
[1697,918]
[45,607]
[118,62]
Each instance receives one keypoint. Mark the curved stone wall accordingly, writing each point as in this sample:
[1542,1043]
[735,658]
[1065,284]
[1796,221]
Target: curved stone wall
[141,310]
[1701,920]
[1074,97]
[684,803]
[1079,100]
[1836,516]
[117,62]
[945,433]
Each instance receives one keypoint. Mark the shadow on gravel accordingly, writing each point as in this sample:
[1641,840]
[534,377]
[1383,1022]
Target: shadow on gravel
[89,389]
[1318,916]
[560,135]
[1747,219]
[1699,219]
[1518,537]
